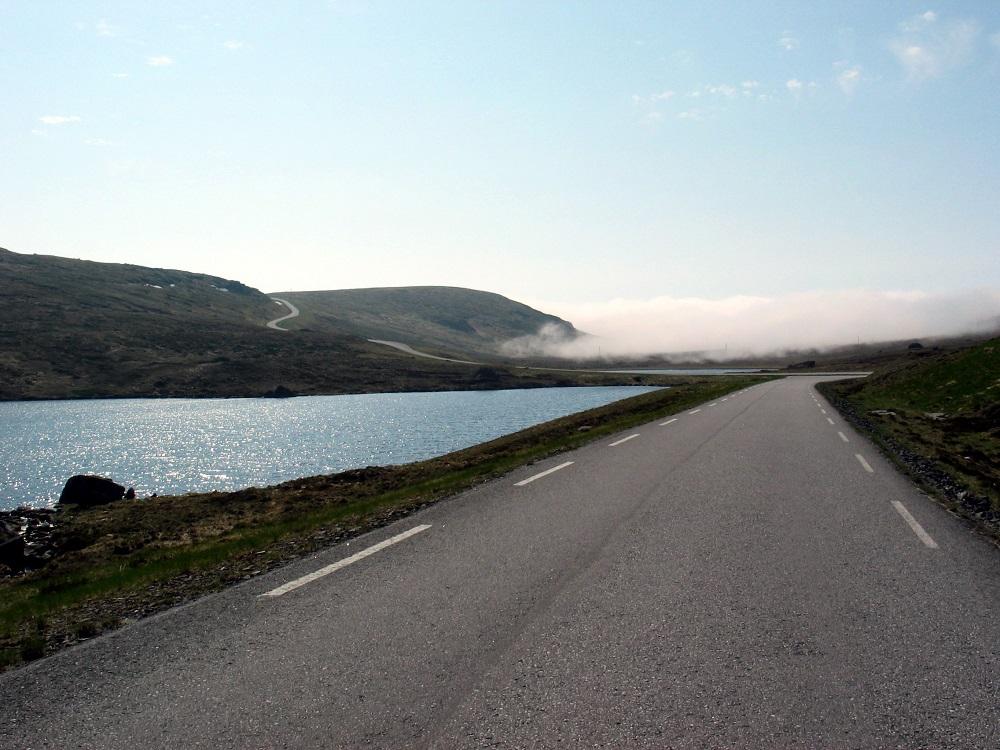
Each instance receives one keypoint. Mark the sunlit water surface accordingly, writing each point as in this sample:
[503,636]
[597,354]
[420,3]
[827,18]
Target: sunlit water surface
[195,445]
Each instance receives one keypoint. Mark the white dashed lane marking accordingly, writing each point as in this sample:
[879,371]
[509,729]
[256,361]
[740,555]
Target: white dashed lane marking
[541,474]
[624,440]
[864,463]
[292,585]
[914,524]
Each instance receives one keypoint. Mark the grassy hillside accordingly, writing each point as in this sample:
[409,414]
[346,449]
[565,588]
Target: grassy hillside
[944,408]
[436,319]
[78,329]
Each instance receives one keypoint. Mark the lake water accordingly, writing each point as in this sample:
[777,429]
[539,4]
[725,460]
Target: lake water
[170,446]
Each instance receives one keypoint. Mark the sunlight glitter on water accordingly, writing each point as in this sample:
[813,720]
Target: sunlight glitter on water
[169,446]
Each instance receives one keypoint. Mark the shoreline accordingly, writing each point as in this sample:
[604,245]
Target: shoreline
[131,559]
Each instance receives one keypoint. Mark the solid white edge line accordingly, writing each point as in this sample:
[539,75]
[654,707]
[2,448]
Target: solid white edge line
[327,570]
[669,421]
[623,440]
[545,473]
[843,436]
[914,524]
[694,412]
[864,463]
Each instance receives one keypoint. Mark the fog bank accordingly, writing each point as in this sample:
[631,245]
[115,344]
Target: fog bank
[745,325]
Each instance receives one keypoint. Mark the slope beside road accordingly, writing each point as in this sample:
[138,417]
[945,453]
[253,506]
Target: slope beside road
[293,313]
[749,573]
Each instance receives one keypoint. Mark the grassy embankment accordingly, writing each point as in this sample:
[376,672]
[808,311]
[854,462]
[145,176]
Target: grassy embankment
[937,415]
[133,558]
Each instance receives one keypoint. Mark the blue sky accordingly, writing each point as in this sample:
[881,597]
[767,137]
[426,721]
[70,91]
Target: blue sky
[563,153]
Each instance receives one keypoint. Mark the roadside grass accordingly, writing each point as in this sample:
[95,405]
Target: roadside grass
[943,407]
[133,558]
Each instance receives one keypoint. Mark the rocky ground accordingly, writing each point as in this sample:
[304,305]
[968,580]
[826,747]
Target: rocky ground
[36,529]
[926,472]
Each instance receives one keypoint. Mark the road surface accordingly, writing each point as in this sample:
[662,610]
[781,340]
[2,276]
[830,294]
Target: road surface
[294,313]
[410,350]
[745,574]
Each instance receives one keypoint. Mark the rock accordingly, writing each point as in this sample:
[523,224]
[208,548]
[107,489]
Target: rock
[11,547]
[937,416]
[86,490]
[915,346]
[279,392]
[882,413]
[130,494]
[584,428]
[807,365]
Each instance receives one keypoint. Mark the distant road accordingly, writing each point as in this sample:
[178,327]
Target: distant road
[410,350]
[293,314]
[748,573]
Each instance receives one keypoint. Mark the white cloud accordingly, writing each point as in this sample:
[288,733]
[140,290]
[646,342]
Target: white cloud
[119,75]
[927,49]
[694,115]
[722,89]
[96,142]
[234,44]
[159,61]
[747,85]
[797,87]
[788,42]
[58,119]
[662,96]
[848,78]
[759,324]
[104,28]
[919,21]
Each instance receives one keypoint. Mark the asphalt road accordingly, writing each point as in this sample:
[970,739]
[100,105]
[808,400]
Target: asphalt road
[293,313]
[742,577]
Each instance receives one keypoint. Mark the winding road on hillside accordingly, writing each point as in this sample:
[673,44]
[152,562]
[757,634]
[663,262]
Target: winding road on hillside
[294,313]
[407,349]
[749,573]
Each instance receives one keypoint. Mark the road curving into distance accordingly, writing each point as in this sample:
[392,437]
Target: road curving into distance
[749,573]
[294,313]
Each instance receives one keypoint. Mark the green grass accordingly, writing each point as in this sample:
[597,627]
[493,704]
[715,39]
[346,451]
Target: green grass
[944,407]
[959,383]
[155,553]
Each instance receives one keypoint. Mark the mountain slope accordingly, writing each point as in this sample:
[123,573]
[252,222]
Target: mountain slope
[441,319]
[79,329]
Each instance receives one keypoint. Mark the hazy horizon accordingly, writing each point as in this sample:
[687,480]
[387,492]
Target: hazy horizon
[692,176]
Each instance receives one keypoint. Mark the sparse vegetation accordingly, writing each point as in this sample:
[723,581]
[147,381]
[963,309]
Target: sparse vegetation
[443,320]
[944,408]
[78,329]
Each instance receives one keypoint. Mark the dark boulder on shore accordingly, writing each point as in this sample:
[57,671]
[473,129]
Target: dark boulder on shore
[11,546]
[86,490]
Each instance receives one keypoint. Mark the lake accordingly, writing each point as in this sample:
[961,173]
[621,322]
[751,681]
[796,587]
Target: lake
[171,446]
